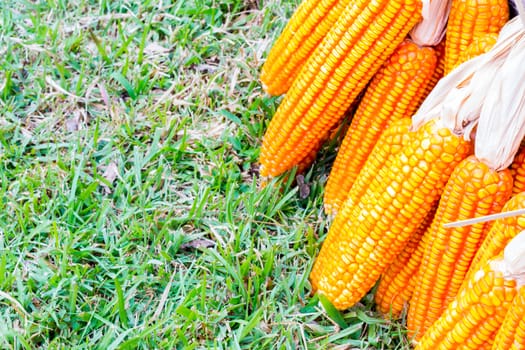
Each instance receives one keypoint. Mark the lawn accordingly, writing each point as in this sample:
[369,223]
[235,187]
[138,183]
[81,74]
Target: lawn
[131,211]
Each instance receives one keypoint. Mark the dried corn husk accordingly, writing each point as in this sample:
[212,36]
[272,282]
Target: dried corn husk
[501,125]
[475,95]
[513,263]
[431,29]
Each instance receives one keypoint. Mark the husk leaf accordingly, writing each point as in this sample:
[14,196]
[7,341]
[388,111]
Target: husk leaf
[431,29]
[469,91]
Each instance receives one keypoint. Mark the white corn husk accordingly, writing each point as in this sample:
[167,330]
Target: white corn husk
[513,263]
[520,5]
[480,91]
[501,125]
[431,29]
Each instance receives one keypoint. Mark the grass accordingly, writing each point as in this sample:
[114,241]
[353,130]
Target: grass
[131,215]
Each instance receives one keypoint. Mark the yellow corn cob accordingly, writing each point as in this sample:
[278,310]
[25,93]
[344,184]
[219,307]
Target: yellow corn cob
[502,231]
[517,168]
[468,19]
[352,51]
[472,319]
[395,287]
[392,141]
[392,94]
[373,231]
[511,335]
[472,190]
[303,33]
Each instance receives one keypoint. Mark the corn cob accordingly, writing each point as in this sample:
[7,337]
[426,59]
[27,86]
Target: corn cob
[352,51]
[439,49]
[502,231]
[468,19]
[373,231]
[331,135]
[395,287]
[517,169]
[302,34]
[473,318]
[392,94]
[511,335]
[472,190]
[391,142]
[307,161]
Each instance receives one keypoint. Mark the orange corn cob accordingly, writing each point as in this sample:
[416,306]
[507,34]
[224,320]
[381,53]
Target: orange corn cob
[517,168]
[392,94]
[472,319]
[352,51]
[391,142]
[472,190]
[502,231]
[302,34]
[394,289]
[373,231]
[468,19]
[511,335]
